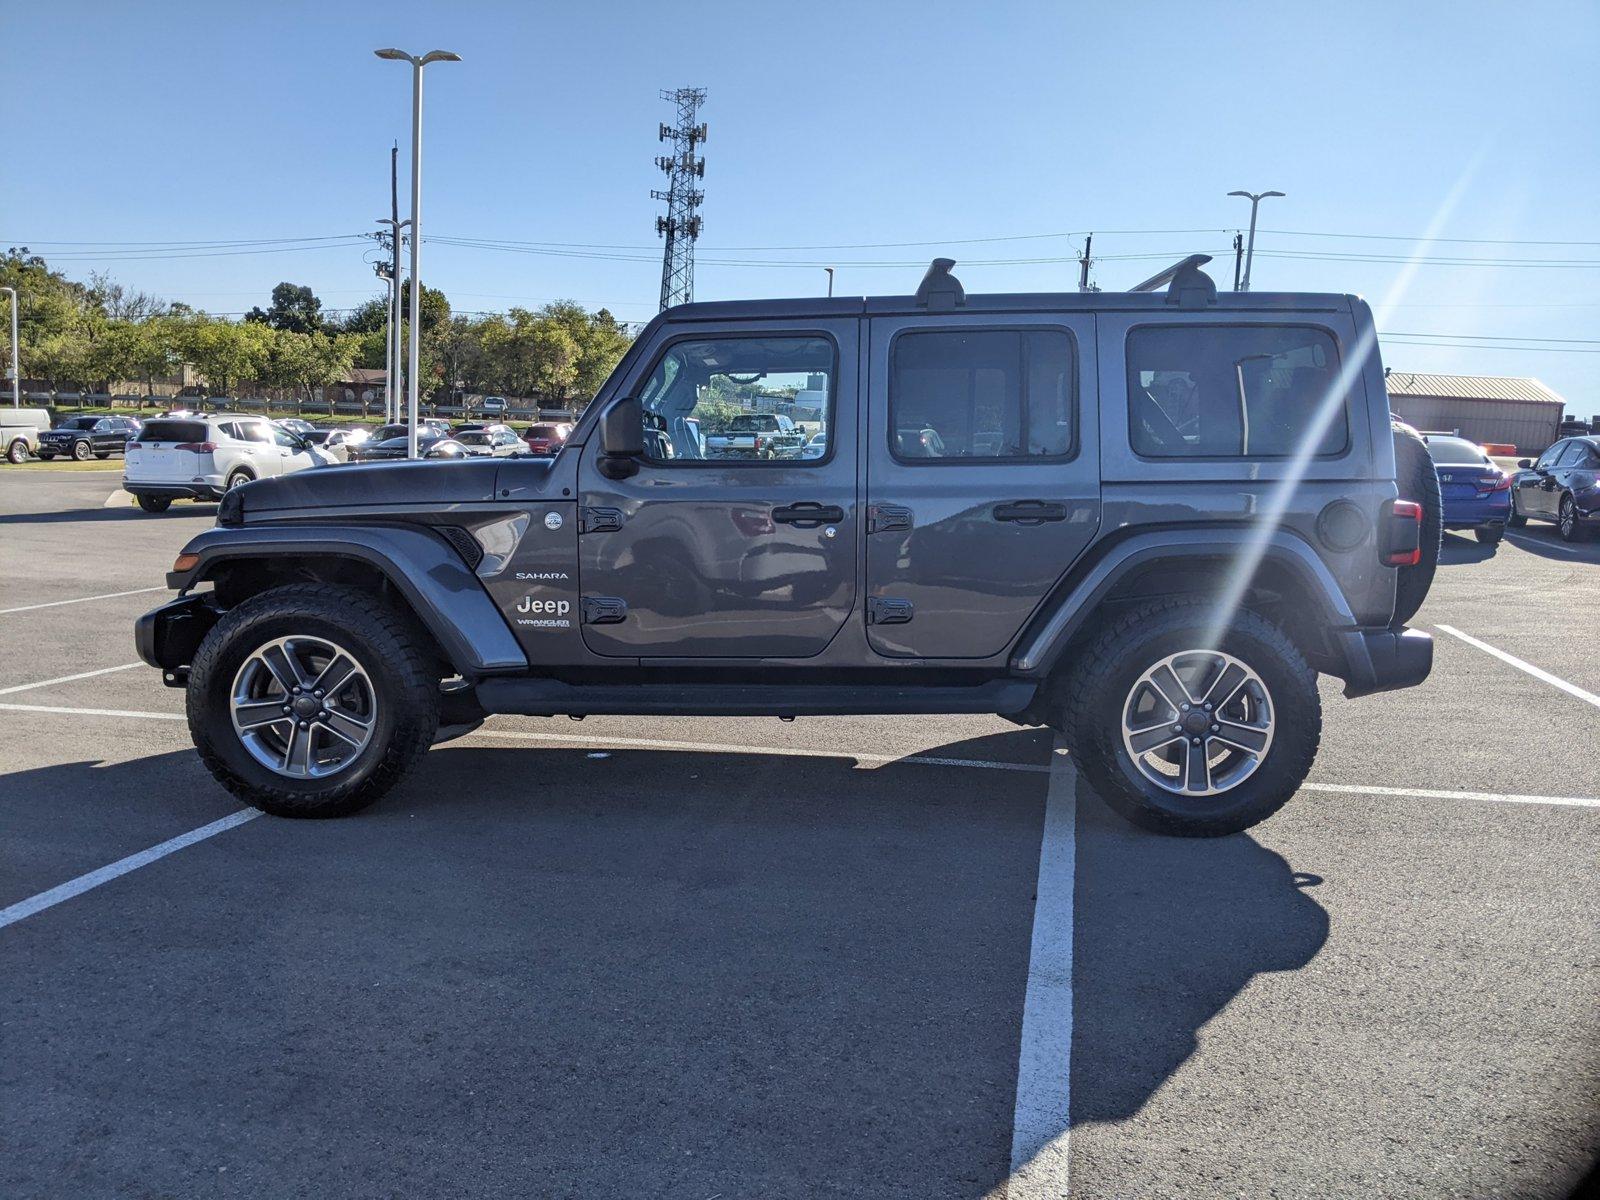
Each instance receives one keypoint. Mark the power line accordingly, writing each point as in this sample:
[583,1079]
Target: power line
[1484,337]
[1394,341]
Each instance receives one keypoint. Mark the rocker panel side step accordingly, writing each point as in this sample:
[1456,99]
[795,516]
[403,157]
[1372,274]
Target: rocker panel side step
[552,697]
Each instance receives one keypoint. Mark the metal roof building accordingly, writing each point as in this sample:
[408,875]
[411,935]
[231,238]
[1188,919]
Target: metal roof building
[1484,408]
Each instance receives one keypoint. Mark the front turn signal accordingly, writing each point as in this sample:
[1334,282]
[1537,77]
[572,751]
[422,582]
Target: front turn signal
[185,562]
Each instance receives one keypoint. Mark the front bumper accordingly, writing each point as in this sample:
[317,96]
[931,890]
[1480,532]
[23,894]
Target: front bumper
[168,637]
[1381,660]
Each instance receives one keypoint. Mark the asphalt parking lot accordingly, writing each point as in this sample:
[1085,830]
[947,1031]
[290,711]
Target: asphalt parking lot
[840,957]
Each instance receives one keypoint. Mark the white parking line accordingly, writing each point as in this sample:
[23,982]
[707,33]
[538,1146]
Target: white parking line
[83,883]
[1432,794]
[929,760]
[1554,681]
[28,687]
[1041,1123]
[1525,541]
[62,710]
[80,600]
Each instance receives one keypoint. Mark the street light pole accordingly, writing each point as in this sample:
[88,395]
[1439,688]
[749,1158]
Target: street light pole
[16,366]
[1255,198]
[414,348]
[829,270]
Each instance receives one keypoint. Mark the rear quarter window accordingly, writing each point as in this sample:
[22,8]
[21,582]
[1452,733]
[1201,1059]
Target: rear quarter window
[1234,391]
[173,431]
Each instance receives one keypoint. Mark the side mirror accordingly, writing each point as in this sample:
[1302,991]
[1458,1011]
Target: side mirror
[1525,463]
[622,429]
[621,439]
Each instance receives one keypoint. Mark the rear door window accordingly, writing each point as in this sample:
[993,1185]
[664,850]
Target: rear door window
[981,395]
[1234,391]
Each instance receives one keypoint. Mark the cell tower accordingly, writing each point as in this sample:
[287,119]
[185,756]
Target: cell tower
[681,225]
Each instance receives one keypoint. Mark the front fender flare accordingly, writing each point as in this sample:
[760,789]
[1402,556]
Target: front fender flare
[1042,645]
[441,589]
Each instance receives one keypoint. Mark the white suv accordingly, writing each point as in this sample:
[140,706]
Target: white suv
[200,457]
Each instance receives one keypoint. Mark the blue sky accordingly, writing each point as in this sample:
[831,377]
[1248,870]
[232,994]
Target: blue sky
[831,125]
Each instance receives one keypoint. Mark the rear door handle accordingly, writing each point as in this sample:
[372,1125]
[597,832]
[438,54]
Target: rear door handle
[808,513]
[1030,512]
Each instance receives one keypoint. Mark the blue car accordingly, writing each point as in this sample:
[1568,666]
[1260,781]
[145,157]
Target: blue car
[1477,494]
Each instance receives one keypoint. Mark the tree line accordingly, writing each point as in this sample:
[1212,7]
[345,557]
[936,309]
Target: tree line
[96,334]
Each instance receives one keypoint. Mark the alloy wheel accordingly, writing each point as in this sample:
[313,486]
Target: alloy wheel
[303,707]
[1198,723]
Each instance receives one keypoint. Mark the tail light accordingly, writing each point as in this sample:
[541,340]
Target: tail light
[761,443]
[197,447]
[1495,483]
[1403,540]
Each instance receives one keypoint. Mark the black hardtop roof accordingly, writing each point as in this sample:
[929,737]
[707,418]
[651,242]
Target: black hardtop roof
[1005,302]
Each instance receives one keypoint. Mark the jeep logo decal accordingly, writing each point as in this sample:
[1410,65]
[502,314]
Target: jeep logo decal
[557,608]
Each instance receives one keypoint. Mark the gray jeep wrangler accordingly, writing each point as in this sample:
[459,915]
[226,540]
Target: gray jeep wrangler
[1146,519]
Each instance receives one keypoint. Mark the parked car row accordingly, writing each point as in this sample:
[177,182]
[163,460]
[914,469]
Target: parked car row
[1562,486]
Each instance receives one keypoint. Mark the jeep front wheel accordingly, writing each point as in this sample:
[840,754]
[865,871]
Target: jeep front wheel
[1191,726]
[312,700]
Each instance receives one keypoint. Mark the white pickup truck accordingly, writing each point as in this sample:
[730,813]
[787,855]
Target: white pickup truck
[19,432]
[757,435]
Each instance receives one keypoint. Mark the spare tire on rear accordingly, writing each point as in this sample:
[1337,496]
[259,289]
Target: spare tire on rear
[1415,476]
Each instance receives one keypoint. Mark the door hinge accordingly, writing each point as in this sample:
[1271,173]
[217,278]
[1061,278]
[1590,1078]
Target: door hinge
[888,610]
[882,518]
[600,520]
[603,610]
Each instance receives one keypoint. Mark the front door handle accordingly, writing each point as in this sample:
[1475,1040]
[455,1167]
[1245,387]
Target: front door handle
[808,513]
[1030,512]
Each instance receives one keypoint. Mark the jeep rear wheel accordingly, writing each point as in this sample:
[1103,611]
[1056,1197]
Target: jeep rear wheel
[312,700]
[1184,730]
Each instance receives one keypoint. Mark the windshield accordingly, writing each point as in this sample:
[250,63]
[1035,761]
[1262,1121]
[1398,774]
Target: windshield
[474,439]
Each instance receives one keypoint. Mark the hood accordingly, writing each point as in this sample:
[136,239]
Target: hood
[373,485]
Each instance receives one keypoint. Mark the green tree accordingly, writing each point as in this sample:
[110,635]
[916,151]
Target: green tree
[600,341]
[225,353]
[435,307]
[294,308]
[308,361]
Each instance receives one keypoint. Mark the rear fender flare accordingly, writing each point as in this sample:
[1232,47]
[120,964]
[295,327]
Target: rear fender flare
[1044,642]
[442,590]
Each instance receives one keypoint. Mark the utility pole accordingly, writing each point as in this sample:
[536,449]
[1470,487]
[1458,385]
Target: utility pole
[1255,199]
[391,388]
[16,365]
[1238,258]
[390,271]
[681,225]
[1084,260]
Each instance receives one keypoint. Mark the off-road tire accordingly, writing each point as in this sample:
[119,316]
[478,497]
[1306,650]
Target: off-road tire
[390,648]
[1418,480]
[82,452]
[1514,519]
[1490,535]
[155,504]
[17,452]
[1091,696]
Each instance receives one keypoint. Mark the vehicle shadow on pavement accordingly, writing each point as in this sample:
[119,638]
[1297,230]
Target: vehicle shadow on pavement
[573,972]
[1457,550]
[1169,931]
